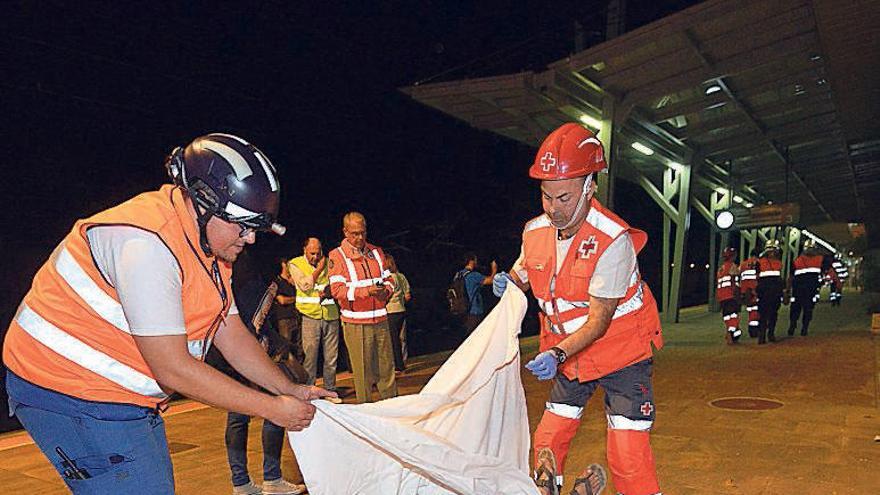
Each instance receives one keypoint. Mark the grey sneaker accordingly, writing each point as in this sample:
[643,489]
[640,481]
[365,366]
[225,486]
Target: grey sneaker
[249,489]
[282,487]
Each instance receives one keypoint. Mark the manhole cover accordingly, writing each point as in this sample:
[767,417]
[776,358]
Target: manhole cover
[746,403]
[178,447]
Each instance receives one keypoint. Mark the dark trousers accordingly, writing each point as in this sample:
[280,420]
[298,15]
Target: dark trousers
[236,448]
[395,326]
[804,301]
[291,330]
[768,307]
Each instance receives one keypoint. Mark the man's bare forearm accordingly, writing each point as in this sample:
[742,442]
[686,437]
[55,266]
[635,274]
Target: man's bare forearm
[176,370]
[242,351]
[601,312]
[523,286]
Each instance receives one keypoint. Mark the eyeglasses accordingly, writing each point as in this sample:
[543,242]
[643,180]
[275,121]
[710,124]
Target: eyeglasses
[245,231]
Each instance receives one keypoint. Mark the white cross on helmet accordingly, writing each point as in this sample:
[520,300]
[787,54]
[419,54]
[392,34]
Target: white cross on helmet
[548,161]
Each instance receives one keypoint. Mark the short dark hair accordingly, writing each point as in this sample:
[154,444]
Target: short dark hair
[468,257]
[307,239]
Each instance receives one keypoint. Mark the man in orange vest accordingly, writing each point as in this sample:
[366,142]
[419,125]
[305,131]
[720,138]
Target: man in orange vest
[805,281]
[124,311]
[770,291]
[727,294]
[598,318]
[748,282]
[362,284]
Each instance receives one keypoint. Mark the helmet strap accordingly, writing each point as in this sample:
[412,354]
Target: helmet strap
[203,215]
[580,204]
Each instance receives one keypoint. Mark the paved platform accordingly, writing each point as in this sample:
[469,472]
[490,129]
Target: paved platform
[821,441]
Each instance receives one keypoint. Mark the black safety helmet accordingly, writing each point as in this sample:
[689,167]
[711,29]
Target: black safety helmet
[229,178]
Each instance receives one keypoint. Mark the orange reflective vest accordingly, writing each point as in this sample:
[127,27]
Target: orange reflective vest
[807,271]
[70,334]
[769,270]
[726,283]
[352,273]
[565,301]
[748,274]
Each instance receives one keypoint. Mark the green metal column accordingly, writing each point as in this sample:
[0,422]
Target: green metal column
[718,200]
[678,183]
[665,260]
[713,268]
[674,200]
[791,248]
[605,191]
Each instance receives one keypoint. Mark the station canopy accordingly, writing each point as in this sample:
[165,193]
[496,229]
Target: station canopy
[779,101]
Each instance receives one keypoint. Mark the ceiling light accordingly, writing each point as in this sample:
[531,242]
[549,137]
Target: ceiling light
[724,219]
[737,199]
[641,148]
[749,205]
[591,121]
[713,89]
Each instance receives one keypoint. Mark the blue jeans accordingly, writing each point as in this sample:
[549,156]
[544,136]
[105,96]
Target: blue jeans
[122,447]
[236,448]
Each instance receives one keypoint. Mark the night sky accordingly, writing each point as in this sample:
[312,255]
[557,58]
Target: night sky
[95,94]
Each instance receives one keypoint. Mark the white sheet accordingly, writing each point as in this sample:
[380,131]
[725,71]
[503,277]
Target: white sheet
[466,432]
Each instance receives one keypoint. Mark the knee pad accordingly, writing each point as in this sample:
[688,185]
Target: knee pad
[632,462]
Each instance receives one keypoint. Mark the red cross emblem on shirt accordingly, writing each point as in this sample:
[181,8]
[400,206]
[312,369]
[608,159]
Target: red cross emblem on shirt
[548,161]
[588,247]
[647,408]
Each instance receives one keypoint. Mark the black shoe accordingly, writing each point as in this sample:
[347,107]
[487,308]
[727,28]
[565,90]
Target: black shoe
[771,337]
[791,330]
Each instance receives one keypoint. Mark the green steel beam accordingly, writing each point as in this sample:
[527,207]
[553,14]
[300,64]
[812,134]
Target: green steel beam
[678,183]
[674,200]
[605,191]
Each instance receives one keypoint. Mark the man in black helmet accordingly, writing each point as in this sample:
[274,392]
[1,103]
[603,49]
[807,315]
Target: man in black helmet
[124,312]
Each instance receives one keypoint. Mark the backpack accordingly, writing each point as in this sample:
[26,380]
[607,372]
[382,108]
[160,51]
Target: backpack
[456,294]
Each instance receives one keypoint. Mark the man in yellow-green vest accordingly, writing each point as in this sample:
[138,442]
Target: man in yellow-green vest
[320,322]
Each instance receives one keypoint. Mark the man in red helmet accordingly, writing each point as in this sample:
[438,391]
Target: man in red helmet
[598,319]
[727,294]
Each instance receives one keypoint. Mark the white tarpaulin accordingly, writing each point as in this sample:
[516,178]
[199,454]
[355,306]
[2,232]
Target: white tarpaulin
[466,432]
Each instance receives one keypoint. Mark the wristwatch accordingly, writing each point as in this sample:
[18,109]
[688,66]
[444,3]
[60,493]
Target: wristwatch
[561,356]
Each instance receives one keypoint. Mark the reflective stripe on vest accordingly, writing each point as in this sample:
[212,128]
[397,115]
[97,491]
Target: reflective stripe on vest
[630,305]
[309,303]
[770,273]
[106,307]
[807,270]
[89,358]
[364,314]
[355,282]
[86,288]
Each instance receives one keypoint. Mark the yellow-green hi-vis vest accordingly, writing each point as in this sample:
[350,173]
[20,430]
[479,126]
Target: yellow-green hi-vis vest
[310,303]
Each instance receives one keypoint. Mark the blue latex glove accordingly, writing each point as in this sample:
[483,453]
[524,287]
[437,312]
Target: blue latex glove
[544,365]
[499,283]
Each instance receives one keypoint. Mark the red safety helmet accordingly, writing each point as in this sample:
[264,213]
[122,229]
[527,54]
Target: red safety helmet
[568,152]
[729,253]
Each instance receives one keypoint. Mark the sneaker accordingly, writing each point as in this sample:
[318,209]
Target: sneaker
[249,489]
[282,487]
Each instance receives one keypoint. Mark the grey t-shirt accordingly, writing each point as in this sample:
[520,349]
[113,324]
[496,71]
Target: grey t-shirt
[146,277]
